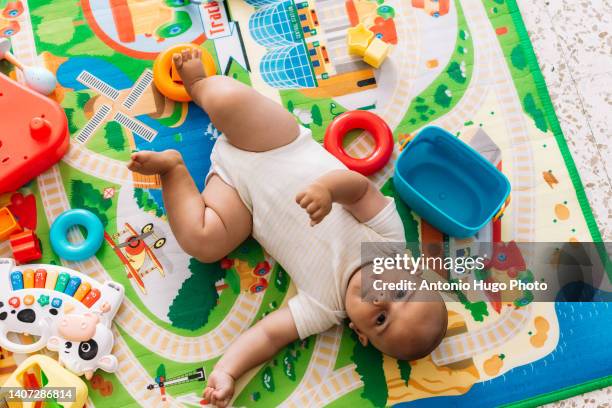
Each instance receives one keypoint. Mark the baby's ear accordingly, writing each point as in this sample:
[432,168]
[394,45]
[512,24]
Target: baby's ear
[362,337]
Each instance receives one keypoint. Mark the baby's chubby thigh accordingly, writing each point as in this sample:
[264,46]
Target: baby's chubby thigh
[227,221]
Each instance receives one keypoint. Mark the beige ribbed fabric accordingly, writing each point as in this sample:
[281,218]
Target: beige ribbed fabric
[319,259]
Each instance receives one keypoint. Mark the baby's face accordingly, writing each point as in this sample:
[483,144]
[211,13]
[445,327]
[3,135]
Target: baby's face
[407,327]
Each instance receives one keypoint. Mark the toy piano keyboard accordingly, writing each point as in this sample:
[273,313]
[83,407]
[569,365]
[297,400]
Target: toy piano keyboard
[34,297]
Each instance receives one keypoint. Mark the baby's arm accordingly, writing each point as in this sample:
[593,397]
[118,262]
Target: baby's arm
[354,191]
[257,345]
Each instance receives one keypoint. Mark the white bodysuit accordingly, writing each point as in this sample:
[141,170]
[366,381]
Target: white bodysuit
[319,259]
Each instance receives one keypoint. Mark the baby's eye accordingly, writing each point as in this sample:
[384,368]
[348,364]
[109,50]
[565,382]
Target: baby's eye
[380,320]
[68,344]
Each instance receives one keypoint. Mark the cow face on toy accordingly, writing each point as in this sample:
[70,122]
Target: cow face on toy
[84,344]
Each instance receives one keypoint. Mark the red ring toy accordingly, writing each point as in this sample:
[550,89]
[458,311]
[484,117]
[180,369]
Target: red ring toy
[358,119]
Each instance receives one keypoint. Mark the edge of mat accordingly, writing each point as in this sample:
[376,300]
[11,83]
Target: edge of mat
[551,115]
[554,121]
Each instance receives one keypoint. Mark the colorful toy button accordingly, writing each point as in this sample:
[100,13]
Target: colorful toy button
[62,282]
[28,278]
[91,298]
[82,291]
[43,300]
[56,303]
[51,279]
[28,300]
[39,278]
[14,301]
[16,280]
[73,285]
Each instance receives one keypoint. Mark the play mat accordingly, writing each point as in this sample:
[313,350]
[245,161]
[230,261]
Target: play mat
[464,65]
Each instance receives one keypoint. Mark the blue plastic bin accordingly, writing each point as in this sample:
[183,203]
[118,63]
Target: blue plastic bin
[448,183]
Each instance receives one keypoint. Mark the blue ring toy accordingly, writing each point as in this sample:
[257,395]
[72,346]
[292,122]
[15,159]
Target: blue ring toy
[83,250]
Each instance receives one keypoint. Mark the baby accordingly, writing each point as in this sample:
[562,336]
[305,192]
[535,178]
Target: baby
[260,168]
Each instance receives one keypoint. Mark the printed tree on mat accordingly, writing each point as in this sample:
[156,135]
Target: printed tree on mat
[443,96]
[518,57]
[72,127]
[281,281]
[249,251]
[411,226]
[369,362]
[291,356]
[145,201]
[404,369]
[85,196]
[478,309]
[197,297]
[535,112]
[113,133]
[267,379]
[455,72]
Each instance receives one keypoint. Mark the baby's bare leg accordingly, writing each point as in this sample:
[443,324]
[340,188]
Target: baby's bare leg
[207,226]
[249,120]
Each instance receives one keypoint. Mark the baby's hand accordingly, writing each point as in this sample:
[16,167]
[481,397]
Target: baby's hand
[220,388]
[317,201]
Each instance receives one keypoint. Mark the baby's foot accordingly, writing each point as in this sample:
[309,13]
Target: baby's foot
[148,162]
[189,66]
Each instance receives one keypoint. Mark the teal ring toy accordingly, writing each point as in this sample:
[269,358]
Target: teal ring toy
[83,250]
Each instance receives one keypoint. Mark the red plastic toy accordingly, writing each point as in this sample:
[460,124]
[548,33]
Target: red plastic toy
[375,125]
[34,134]
[25,246]
[507,257]
[8,224]
[24,210]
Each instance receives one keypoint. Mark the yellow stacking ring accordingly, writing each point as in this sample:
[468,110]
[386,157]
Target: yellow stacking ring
[167,79]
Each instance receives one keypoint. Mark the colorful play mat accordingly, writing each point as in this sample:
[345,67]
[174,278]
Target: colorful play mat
[464,65]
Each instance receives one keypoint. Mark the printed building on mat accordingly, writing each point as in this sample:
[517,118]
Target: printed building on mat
[297,52]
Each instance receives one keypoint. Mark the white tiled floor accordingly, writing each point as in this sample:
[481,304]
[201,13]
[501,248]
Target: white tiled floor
[573,42]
